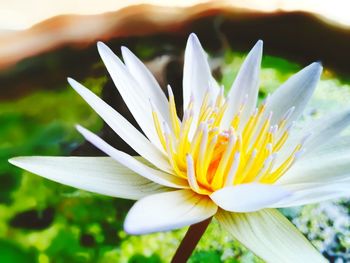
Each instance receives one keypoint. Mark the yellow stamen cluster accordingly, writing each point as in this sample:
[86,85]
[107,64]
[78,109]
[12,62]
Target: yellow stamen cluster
[211,158]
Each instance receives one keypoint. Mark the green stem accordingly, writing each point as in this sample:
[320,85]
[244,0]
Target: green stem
[190,241]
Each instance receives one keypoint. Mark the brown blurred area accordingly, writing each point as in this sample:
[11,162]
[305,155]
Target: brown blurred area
[44,55]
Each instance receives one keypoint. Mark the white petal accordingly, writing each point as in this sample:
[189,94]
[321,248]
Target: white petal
[100,175]
[316,148]
[123,128]
[154,175]
[168,211]
[309,193]
[321,169]
[245,84]
[337,146]
[270,236]
[296,91]
[248,197]
[325,129]
[197,77]
[145,79]
[133,95]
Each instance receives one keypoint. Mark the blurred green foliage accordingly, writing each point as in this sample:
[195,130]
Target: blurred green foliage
[42,221]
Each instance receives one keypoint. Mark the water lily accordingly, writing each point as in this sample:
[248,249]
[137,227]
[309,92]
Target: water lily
[226,157]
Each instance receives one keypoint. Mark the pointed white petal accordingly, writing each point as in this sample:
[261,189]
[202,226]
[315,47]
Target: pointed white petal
[168,211]
[317,148]
[296,91]
[101,175]
[321,169]
[309,193]
[144,77]
[270,236]
[248,197]
[154,175]
[131,92]
[245,84]
[197,77]
[123,128]
[323,130]
[337,146]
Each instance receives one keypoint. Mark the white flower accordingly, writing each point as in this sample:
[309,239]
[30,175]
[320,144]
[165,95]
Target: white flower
[225,158]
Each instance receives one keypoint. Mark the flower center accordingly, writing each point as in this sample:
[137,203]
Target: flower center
[211,157]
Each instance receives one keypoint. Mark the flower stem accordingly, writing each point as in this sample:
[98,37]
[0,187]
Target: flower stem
[190,241]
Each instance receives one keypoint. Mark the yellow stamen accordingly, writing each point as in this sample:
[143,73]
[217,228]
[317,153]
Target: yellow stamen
[262,133]
[201,175]
[172,155]
[220,98]
[220,115]
[204,105]
[194,148]
[246,168]
[211,158]
[233,170]
[173,115]
[184,144]
[219,177]
[158,129]
[275,175]
[281,141]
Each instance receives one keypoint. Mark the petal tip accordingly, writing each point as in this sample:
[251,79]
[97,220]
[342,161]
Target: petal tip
[100,44]
[260,43]
[193,36]
[125,50]
[257,50]
[132,227]
[320,66]
[127,55]
[14,161]
[317,69]
[316,66]
[71,81]
[193,40]
[80,129]
[76,85]
[19,161]
[129,229]
[102,48]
